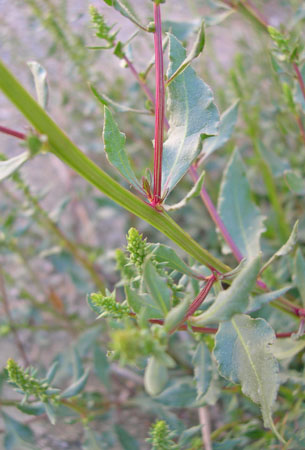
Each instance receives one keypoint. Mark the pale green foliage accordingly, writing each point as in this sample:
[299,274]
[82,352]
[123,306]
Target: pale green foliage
[161,437]
[102,30]
[107,306]
[136,247]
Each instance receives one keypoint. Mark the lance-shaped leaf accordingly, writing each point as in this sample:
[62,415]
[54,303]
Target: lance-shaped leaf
[299,274]
[240,215]
[8,167]
[194,192]
[286,248]
[193,116]
[76,387]
[242,351]
[104,100]
[40,79]
[196,50]
[233,300]
[155,377]
[227,123]
[114,142]
[157,287]
[260,300]
[124,7]
[203,369]
[287,348]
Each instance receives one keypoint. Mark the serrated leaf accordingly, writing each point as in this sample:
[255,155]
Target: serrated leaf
[194,192]
[76,387]
[299,274]
[164,254]
[202,363]
[260,300]
[8,167]
[195,51]
[233,300]
[115,149]
[240,215]
[155,377]
[157,287]
[287,348]
[40,79]
[295,183]
[193,116]
[242,350]
[286,248]
[227,123]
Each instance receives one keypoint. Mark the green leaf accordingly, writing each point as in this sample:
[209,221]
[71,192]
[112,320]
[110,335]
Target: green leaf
[164,254]
[139,302]
[23,431]
[194,192]
[40,79]
[50,411]
[176,314]
[227,123]
[202,363]
[157,287]
[101,366]
[8,167]
[242,350]
[299,98]
[240,215]
[52,372]
[127,441]
[233,300]
[299,276]
[106,101]
[196,50]
[260,300]
[181,394]
[193,116]
[286,248]
[295,183]
[115,149]
[32,409]
[287,348]
[76,387]
[124,7]
[155,377]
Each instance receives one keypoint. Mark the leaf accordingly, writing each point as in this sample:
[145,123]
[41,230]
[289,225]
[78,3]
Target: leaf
[176,314]
[181,394]
[76,387]
[139,302]
[227,123]
[286,248]
[260,300]
[299,274]
[101,366]
[78,369]
[40,79]
[50,411]
[277,165]
[157,287]
[32,409]
[233,300]
[124,7]
[287,348]
[299,98]
[202,363]
[242,350]
[115,149]
[188,435]
[164,254]
[127,441]
[52,372]
[193,117]
[155,377]
[182,30]
[196,50]
[8,167]
[106,101]
[295,183]
[240,215]
[23,431]
[194,192]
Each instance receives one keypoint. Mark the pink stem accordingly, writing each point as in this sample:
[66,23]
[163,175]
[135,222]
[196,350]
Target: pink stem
[216,218]
[300,78]
[159,108]
[140,81]
[14,133]
[301,126]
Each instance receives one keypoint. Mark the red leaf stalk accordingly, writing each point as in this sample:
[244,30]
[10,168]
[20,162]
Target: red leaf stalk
[11,132]
[159,108]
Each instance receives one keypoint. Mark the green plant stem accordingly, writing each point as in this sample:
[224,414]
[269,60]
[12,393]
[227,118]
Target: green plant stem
[69,153]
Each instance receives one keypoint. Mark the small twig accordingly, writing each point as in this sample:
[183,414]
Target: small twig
[205,423]
[10,319]
[11,132]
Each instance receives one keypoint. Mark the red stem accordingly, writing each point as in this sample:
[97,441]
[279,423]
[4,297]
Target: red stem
[140,81]
[159,108]
[301,126]
[12,133]
[300,78]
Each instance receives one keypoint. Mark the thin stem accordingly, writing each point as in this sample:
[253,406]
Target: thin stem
[301,127]
[159,108]
[205,422]
[215,217]
[7,310]
[300,78]
[11,132]
[141,82]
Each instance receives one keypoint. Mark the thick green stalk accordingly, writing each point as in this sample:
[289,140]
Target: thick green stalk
[68,152]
